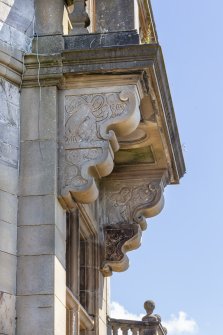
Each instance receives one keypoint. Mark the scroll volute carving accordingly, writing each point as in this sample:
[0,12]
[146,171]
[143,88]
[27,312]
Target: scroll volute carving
[128,203]
[91,124]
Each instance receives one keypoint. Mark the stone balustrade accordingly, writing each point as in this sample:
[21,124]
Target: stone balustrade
[130,327]
[150,324]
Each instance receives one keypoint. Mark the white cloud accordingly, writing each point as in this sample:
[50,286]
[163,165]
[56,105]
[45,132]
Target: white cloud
[176,325]
[180,324]
[119,312]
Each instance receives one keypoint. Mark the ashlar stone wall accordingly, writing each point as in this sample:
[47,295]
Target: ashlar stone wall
[9,146]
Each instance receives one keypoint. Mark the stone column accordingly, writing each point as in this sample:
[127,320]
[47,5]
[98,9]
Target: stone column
[41,277]
[48,27]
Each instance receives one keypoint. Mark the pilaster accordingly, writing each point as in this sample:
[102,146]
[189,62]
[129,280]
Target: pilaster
[41,276]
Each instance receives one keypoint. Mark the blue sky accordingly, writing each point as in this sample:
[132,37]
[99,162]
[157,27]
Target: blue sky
[179,264]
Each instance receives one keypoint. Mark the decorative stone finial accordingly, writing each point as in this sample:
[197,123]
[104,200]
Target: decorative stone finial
[149,306]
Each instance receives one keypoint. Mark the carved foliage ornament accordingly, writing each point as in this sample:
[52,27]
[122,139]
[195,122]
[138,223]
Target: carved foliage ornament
[119,239]
[131,202]
[92,122]
[127,205]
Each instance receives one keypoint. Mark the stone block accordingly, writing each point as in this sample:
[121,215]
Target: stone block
[7,313]
[8,207]
[8,179]
[9,134]
[35,315]
[115,15]
[48,44]
[36,240]
[39,113]
[35,275]
[8,154]
[60,246]
[60,317]
[42,210]
[94,41]
[8,273]
[10,92]
[8,237]
[60,281]
[38,168]
[41,240]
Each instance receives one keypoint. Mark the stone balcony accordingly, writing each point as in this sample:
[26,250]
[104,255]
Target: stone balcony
[150,324]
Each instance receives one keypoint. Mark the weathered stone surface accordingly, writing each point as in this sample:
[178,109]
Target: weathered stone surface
[36,275]
[41,240]
[114,16]
[8,237]
[118,239]
[38,167]
[39,113]
[51,212]
[8,207]
[93,41]
[129,202]
[39,311]
[8,179]
[8,273]
[7,313]
[49,17]
[79,18]
[48,44]
[9,121]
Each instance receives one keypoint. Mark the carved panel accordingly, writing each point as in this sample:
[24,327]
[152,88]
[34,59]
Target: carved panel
[119,238]
[126,205]
[91,124]
[130,202]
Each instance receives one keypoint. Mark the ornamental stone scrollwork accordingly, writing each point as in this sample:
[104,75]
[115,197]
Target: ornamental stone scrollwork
[133,201]
[91,123]
[119,238]
[127,204]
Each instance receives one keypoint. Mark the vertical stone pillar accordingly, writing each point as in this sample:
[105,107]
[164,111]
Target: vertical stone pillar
[41,277]
[48,27]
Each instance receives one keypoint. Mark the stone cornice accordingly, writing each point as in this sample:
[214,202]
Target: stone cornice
[61,69]
[11,63]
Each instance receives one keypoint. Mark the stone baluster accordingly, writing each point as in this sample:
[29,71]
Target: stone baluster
[134,330]
[79,18]
[115,330]
[125,329]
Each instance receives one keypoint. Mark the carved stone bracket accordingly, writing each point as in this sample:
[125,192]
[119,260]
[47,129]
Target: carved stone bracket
[119,239]
[133,201]
[91,123]
[127,203]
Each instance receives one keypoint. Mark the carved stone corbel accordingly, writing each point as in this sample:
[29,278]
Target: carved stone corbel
[119,238]
[128,203]
[92,120]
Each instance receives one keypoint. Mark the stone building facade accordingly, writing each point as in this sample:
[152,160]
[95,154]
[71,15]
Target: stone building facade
[88,142]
